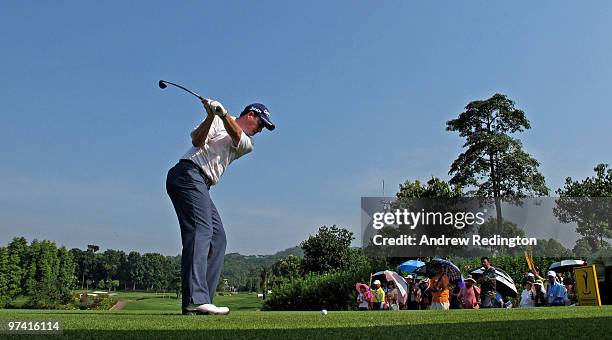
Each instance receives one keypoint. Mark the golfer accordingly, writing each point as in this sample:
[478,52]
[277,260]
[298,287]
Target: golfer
[219,140]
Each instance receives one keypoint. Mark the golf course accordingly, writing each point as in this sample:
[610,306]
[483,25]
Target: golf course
[148,316]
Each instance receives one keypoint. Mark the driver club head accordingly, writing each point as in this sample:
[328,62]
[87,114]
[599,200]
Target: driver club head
[162,85]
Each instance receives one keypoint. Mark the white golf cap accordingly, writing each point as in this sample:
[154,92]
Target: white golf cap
[530,275]
[470,279]
[539,283]
[409,277]
[376,282]
[551,273]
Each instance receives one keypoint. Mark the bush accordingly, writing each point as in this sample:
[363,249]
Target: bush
[332,291]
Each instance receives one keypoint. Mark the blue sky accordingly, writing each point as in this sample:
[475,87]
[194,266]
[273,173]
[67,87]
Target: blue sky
[359,91]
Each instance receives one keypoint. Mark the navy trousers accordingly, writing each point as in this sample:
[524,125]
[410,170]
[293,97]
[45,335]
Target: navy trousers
[202,233]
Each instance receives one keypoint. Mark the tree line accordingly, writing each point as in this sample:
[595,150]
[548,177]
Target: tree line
[116,269]
[46,274]
[40,271]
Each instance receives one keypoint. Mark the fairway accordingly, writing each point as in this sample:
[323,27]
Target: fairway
[567,322]
[169,303]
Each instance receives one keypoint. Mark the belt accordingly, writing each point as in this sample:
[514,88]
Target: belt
[207,180]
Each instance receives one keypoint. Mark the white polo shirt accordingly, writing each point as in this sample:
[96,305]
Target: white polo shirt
[218,151]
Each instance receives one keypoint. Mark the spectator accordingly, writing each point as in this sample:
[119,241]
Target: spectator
[424,295]
[454,298]
[469,294]
[538,274]
[530,278]
[527,296]
[499,301]
[487,283]
[364,297]
[560,277]
[411,302]
[570,294]
[438,286]
[378,296]
[555,294]
[392,296]
[540,294]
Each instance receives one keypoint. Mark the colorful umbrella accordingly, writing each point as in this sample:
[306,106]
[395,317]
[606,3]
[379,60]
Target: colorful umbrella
[368,293]
[452,271]
[411,265]
[400,283]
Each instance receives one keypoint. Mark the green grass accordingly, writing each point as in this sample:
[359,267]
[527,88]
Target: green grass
[133,295]
[237,302]
[541,323]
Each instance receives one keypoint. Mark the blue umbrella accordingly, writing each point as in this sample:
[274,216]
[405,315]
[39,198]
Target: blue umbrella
[411,265]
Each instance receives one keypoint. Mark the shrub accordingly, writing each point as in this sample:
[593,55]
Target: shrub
[332,291]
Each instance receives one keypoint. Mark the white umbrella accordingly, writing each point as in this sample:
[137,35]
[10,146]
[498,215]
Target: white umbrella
[507,288]
[566,265]
[400,283]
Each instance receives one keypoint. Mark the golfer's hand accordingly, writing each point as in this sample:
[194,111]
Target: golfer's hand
[205,102]
[217,108]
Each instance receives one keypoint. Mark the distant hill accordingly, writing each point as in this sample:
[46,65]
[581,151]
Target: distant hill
[243,271]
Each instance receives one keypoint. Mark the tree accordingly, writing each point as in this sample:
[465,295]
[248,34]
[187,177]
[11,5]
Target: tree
[434,188]
[153,270]
[584,247]
[288,267]
[87,264]
[551,248]
[265,276]
[327,251]
[44,292]
[111,262]
[136,270]
[123,273]
[4,289]
[437,197]
[588,204]
[17,264]
[79,265]
[65,276]
[93,248]
[508,230]
[494,163]
[176,278]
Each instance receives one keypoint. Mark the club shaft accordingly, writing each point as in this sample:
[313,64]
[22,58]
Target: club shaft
[185,89]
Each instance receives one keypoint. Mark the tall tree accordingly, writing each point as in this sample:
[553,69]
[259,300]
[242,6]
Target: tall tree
[110,263]
[153,270]
[46,291]
[136,269]
[31,274]
[588,203]
[17,264]
[4,294]
[81,263]
[494,163]
[327,251]
[288,267]
[65,275]
[435,196]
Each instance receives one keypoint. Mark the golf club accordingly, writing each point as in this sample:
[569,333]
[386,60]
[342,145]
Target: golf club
[163,84]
